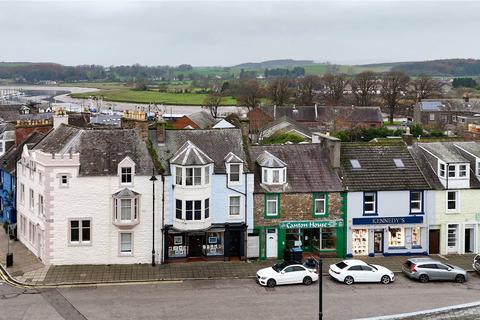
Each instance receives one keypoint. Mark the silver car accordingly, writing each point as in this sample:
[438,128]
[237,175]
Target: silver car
[426,269]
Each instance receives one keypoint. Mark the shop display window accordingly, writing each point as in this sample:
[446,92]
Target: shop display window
[214,245]
[360,241]
[177,247]
[329,238]
[416,237]
[396,237]
[293,238]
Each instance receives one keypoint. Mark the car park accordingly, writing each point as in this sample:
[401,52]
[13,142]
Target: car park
[427,269]
[351,271]
[286,273]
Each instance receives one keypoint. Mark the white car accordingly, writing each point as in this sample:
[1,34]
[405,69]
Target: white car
[351,271]
[286,273]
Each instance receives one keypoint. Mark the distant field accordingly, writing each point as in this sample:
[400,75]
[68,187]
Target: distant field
[319,69]
[132,96]
[98,85]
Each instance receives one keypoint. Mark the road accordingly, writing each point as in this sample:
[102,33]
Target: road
[232,299]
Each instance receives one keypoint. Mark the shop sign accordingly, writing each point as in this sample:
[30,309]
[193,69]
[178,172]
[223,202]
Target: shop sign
[387,220]
[310,224]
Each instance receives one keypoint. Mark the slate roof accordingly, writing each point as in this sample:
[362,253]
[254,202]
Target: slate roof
[216,143]
[444,151]
[308,169]
[101,150]
[10,112]
[457,105]
[202,119]
[378,170]
[9,159]
[430,105]
[190,155]
[290,125]
[470,146]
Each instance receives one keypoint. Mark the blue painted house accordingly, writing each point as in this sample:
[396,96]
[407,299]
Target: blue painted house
[8,178]
[208,193]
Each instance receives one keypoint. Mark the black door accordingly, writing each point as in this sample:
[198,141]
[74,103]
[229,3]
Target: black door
[467,241]
[195,245]
[233,243]
[434,241]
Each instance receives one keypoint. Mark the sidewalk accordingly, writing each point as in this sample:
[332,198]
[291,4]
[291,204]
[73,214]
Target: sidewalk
[28,269]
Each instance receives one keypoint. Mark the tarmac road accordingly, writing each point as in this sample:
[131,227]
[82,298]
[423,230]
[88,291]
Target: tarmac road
[233,299]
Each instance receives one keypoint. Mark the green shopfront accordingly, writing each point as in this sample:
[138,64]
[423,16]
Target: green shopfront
[320,237]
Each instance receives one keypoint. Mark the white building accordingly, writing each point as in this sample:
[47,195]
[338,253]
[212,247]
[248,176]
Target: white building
[85,197]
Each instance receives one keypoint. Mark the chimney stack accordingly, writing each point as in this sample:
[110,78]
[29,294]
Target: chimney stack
[331,144]
[60,117]
[160,130]
[408,137]
[136,120]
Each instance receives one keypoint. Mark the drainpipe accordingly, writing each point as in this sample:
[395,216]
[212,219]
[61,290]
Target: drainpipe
[162,258]
[245,235]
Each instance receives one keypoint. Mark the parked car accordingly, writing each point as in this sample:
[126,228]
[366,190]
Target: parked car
[351,271]
[476,263]
[426,269]
[286,273]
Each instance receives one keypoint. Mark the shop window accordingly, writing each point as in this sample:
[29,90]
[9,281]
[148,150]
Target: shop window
[416,237]
[234,206]
[214,246]
[416,201]
[293,238]
[396,237]
[272,205]
[359,241]
[320,204]
[370,203]
[177,247]
[329,238]
[452,201]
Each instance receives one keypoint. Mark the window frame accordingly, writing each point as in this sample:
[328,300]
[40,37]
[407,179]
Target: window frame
[127,253]
[315,198]
[374,212]
[276,200]
[31,199]
[230,206]
[421,202]
[442,170]
[238,174]
[457,201]
[80,241]
[177,176]
[134,211]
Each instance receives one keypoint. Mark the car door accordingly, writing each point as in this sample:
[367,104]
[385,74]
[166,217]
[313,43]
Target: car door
[430,269]
[286,275]
[444,273]
[355,272]
[299,273]
[369,274]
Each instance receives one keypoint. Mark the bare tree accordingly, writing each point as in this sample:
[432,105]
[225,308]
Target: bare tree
[425,87]
[249,93]
[212,101]
[278,91]
[306,90]
[334,87]
[363,87]
[394,87]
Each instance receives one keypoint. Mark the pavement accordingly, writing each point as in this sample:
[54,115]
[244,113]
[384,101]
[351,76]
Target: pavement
[27,269]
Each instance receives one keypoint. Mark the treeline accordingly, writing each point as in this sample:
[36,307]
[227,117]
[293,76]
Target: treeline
[448,67]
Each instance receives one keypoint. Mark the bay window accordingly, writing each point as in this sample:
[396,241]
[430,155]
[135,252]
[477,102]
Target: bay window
[178,176]
[193,176]
[192,210]
[126,208]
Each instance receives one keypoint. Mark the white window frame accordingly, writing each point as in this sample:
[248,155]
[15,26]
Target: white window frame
[22,193]
[134,210]
[478,168]
[40,205]
[431,116]
[80,241]
[125,253]
[64,180]
[464,171]
[442,170]
[232,206]
[457,201]
[126,175]
[268,176]
[420,202]
[178,175]
[240,169]
[206,175]
[194,177]
[31,199]
[320,198]
[273,199]
[454,171]
[374,202]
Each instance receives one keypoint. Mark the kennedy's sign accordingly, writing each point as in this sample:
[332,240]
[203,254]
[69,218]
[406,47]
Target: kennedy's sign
[310,224]
[387,220]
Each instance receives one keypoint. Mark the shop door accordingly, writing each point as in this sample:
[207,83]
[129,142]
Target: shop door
[378,241]
[452,238]
[271,243]
[469,240]
[195,243]
[434,242]
[234,244]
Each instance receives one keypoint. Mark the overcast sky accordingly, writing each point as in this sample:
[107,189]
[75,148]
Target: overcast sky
[227,33]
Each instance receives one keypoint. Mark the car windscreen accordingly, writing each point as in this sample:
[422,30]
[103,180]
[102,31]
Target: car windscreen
[341,265]
[279,266]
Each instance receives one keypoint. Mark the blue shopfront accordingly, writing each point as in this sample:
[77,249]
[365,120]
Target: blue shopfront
[387,236]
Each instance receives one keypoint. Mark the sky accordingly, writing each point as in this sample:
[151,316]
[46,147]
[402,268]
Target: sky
[226,33]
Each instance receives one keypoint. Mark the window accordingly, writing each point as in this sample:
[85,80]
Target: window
[40,204]
[207,174]
[235,205]
[32,199]
[478,168]
[64,180]
[125,209]
[40,178]
[452,198]
[207,208]
[126,240]
[441,171]
[416,237]
[22,193]
[432,116]
[265,176]
[396,237]
[462,170]
[126,175]
[178,176]
[276,176]
[178,209]
[370,202]
[452,235]
[320,203]
[329,238]
[198,210]
[399,163]
[355,164]
[188,210]
[271,204]
[193,176]
[416,201]
[451,171]
[80,232]
[234,175]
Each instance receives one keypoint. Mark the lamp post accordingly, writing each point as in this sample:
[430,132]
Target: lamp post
[153,179]
[320,290]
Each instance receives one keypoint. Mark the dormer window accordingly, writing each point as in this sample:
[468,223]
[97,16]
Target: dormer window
[441,170]
[234,167]
[462,170]
[126,171]
[192,176]
[127,175]
[274,175]
[234,173]
[451,171]
[126,208]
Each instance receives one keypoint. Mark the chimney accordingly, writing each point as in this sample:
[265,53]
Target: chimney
[25,127]
[136,120]
[316,111]
[245,125]
[408,137]
[160,130]
[274,111]
[60,117]
[331,144]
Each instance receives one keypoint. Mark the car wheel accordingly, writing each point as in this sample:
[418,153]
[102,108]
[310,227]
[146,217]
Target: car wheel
[423,278]
[271,283]
[348,280]
[307,281]
[460,278]
[385,279]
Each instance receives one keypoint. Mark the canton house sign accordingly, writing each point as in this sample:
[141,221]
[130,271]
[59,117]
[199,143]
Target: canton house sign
[310,224]
[387,220]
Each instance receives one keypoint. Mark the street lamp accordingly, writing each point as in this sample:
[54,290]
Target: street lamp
[320,290]
[153,179]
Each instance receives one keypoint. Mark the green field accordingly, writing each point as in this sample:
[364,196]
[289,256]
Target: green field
[133,96]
